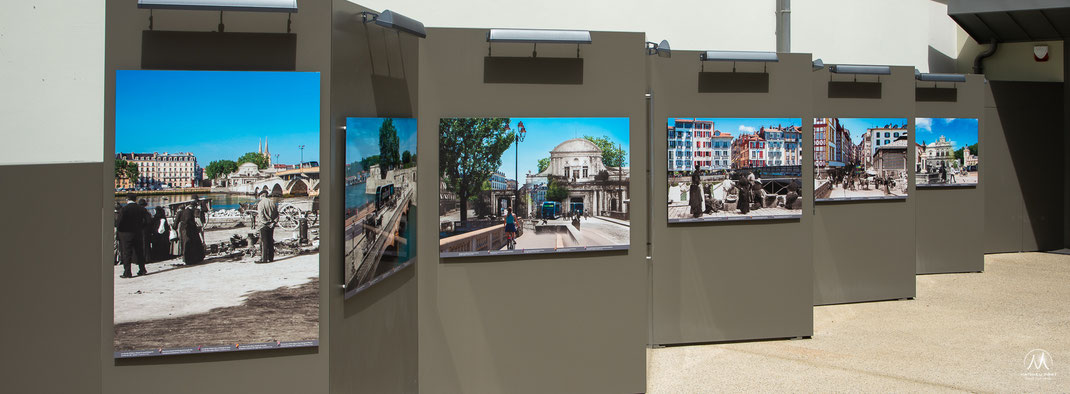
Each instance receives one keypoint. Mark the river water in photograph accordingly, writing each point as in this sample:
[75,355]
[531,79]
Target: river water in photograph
[220,201]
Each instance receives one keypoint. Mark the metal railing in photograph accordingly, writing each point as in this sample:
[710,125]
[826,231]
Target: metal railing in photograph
[484,239]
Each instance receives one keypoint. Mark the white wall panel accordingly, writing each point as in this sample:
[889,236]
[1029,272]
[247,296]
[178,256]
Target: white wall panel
[52,81]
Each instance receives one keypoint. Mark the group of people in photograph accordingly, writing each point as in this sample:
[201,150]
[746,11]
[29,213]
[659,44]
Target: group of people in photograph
[143,237]
[746,190]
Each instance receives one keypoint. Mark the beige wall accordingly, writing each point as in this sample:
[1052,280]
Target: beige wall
[52,79]
[1013,61]
[53,52]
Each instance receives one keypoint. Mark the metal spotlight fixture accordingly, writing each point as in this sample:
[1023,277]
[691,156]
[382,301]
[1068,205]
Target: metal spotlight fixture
[661,49]
[221,5]
[393,20]
[934,77]
[855,69]
[533,36]
[818,64]
[738,56]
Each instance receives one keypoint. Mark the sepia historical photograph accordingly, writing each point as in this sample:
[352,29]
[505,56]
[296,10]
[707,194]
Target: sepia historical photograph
[380,196]
[217,183]
[860,158]
[723,169]
[533,185]
[946,152]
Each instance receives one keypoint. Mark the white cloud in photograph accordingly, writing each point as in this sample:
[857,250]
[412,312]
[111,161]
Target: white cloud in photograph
[925,124]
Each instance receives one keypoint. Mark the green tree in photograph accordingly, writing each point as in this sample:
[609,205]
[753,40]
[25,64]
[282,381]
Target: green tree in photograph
[544,163]
[367,162]
[470,150]
[126,169]
[218,168]
[612,155]
[389,145]
[406,158]
[556,190]
[260,160]
[602,176]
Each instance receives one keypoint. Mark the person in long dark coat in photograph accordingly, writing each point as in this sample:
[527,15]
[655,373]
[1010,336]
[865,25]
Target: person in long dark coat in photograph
[756,194]
[115,237]
[743,201]
[793,195]
[131,223]
[146,236]
[694,194]
[190,236]
[160,243]
[267,214]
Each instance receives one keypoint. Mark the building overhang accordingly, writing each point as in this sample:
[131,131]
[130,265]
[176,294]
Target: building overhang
[1012,20]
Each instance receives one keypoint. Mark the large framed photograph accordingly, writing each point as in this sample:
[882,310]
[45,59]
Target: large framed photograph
[946,152]
[860,159]
[380,199]
[533,185]
[217,183]
[730,169]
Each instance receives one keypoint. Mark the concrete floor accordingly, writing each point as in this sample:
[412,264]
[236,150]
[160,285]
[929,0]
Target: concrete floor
[964,332]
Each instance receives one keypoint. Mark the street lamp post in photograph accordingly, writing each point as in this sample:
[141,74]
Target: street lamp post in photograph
[521,132]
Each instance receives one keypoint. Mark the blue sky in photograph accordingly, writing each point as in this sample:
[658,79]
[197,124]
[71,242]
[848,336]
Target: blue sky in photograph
[737,126]
[960,131]
[218,114]
[546,133]
[858,126]
[362,136]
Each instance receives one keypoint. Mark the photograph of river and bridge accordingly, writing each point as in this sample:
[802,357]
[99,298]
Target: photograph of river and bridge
[725,169]
[573,196]
[217,208]
[380,192]
[946,152]
[860,158]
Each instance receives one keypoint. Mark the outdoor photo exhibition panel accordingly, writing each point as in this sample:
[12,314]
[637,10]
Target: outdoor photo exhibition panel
[251,42]
[374,74]
[864,228]
[725,169]
[217,207]
[950,161]
[1022,206]
[946,152]
[380,192]
[491,318]
[705,270]
[533,185]
[860,159]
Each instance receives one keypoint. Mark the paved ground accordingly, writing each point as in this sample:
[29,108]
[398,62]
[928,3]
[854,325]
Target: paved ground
[172,290]
[964,332]
[684,212]
[839,192]
[968,178]
[593,231]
